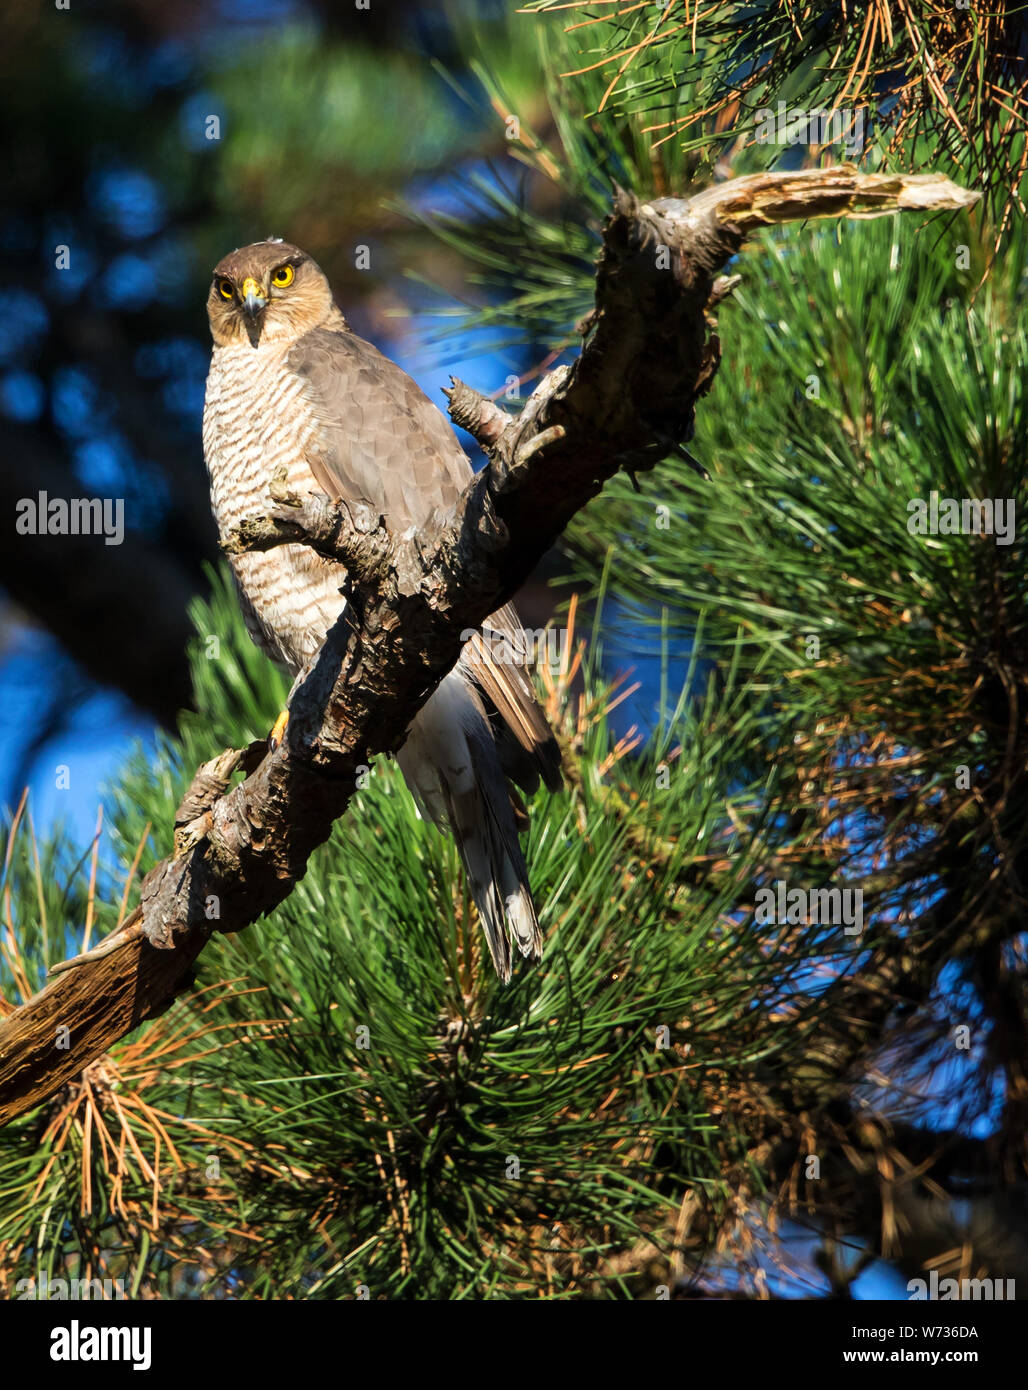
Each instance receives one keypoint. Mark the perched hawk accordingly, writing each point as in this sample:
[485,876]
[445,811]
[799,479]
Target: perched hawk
[290,386]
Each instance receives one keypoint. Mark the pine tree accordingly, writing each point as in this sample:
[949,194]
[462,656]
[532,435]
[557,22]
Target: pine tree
[347,1104]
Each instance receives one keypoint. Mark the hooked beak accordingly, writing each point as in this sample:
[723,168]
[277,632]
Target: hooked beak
[253,304]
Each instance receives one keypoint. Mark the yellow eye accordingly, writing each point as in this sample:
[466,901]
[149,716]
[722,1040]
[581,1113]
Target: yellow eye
[283,276]
[225,289]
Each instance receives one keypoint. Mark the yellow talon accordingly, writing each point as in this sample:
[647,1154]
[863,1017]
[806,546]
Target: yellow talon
[278,732]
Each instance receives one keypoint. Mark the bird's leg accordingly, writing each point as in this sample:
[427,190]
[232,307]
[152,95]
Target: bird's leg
[278,731]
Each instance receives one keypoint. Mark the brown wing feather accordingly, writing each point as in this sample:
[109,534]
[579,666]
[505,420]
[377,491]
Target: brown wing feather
[506,685]
[382,442]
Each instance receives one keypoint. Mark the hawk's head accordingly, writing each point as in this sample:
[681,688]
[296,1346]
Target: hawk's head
[267,292]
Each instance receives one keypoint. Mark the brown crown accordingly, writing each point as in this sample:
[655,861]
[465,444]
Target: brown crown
[257,259]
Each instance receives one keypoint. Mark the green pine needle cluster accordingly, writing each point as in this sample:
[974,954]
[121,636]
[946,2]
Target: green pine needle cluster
[348,1098]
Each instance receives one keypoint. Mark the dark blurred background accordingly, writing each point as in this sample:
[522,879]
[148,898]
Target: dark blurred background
[333,124]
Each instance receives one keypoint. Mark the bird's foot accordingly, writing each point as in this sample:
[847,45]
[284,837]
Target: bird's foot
[278,732]
[278,489]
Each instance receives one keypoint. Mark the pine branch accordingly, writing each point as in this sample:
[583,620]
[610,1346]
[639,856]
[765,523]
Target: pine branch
[626,402]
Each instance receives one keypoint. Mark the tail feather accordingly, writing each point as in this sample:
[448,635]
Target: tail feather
[453,767]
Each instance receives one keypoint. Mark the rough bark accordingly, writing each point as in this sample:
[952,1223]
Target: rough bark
[648,354]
